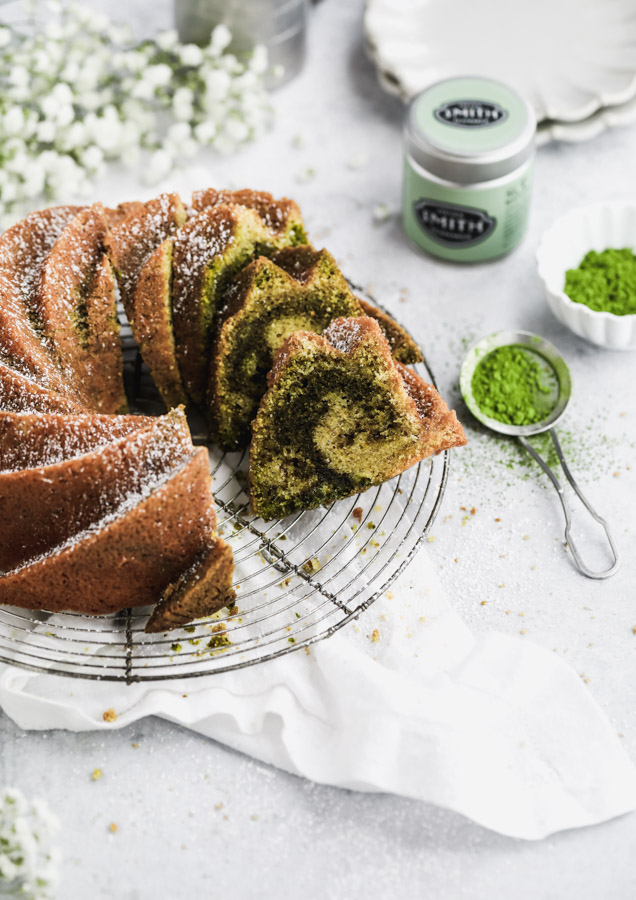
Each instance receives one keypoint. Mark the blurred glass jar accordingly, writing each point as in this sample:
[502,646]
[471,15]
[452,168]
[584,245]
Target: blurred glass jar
[280,25]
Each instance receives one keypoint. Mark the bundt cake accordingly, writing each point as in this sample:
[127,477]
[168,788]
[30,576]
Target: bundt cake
[299,289]
[339,416]
[101,510]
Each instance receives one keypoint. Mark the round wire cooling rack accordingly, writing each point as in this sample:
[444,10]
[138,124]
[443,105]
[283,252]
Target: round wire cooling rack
[298,580]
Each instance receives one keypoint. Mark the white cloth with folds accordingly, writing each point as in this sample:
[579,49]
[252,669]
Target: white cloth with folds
[496,728]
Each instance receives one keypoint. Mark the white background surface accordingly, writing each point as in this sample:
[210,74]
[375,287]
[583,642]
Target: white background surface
[275,834]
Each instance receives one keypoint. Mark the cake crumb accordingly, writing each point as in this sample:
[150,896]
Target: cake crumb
[375,636]
[96,774]
[357,513]
[112,828]
[109,715]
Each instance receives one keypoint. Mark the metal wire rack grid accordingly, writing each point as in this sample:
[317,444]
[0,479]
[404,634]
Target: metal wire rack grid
[298,580]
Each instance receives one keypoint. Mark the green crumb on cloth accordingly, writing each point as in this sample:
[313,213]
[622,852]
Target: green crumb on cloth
[605,281]
[514,385]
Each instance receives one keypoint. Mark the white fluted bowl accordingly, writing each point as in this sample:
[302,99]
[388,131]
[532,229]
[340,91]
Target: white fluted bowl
[564,245]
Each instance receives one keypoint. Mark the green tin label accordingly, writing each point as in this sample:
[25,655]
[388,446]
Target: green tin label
[466,224]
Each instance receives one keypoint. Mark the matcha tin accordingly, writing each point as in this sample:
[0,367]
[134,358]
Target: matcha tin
[469,152]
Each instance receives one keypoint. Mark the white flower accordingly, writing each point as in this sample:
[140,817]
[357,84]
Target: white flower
[217,85]
[28,859]
[46,131]
[237,130]
[34,177]
[159,164]
[158,75]
[178,132]
[5,37]
[191,55]
[13,120]
[18,76]
[204,132]
[220,38]
[166,40]
[258,62]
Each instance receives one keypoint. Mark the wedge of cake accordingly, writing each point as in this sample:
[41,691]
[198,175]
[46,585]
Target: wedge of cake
[339,416]
[136,230]
[203,589]
[299,289]
[208,250]
[75,301]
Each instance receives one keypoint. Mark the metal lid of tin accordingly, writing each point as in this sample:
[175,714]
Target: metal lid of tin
[469,130]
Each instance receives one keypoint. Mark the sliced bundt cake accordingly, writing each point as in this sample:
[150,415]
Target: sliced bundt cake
[75,302]
[64,485]
[299,289]
[340,416]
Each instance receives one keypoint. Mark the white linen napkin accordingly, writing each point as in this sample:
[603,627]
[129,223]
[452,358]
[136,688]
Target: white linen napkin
[498,729]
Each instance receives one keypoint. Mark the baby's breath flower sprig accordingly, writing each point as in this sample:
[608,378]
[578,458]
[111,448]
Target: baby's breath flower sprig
[29,862]
[76,94]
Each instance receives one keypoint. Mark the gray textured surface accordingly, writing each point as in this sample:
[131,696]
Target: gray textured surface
[278,835]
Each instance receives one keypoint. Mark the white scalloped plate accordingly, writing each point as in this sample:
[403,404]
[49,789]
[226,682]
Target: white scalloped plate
[570,59]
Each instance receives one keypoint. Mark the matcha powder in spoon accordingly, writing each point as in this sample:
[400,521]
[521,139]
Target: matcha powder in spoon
[515,385]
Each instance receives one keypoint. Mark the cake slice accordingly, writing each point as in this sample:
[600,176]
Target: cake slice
[208,250]
[152,325]
[203,589]
[23,249]
[300,289]
[41,502]
[301,263]
[136,230]
[129,557]
[281,217]
[340,415]
[76,304]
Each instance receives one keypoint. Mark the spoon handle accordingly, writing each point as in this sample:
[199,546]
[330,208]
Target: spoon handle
[580,565]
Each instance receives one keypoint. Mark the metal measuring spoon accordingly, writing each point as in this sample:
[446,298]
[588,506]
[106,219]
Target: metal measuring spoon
[522,432]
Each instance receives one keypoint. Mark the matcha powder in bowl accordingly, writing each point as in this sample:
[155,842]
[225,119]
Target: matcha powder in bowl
[605,281]
[518,384]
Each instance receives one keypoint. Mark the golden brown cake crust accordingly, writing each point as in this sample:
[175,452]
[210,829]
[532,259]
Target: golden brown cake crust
[200,591]
[23,249]
[274,213]
[130,558]
[76,304]
[140,228]
[67,496]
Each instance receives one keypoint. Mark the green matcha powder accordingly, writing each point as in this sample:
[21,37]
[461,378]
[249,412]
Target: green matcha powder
[515,385]
[606,282]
